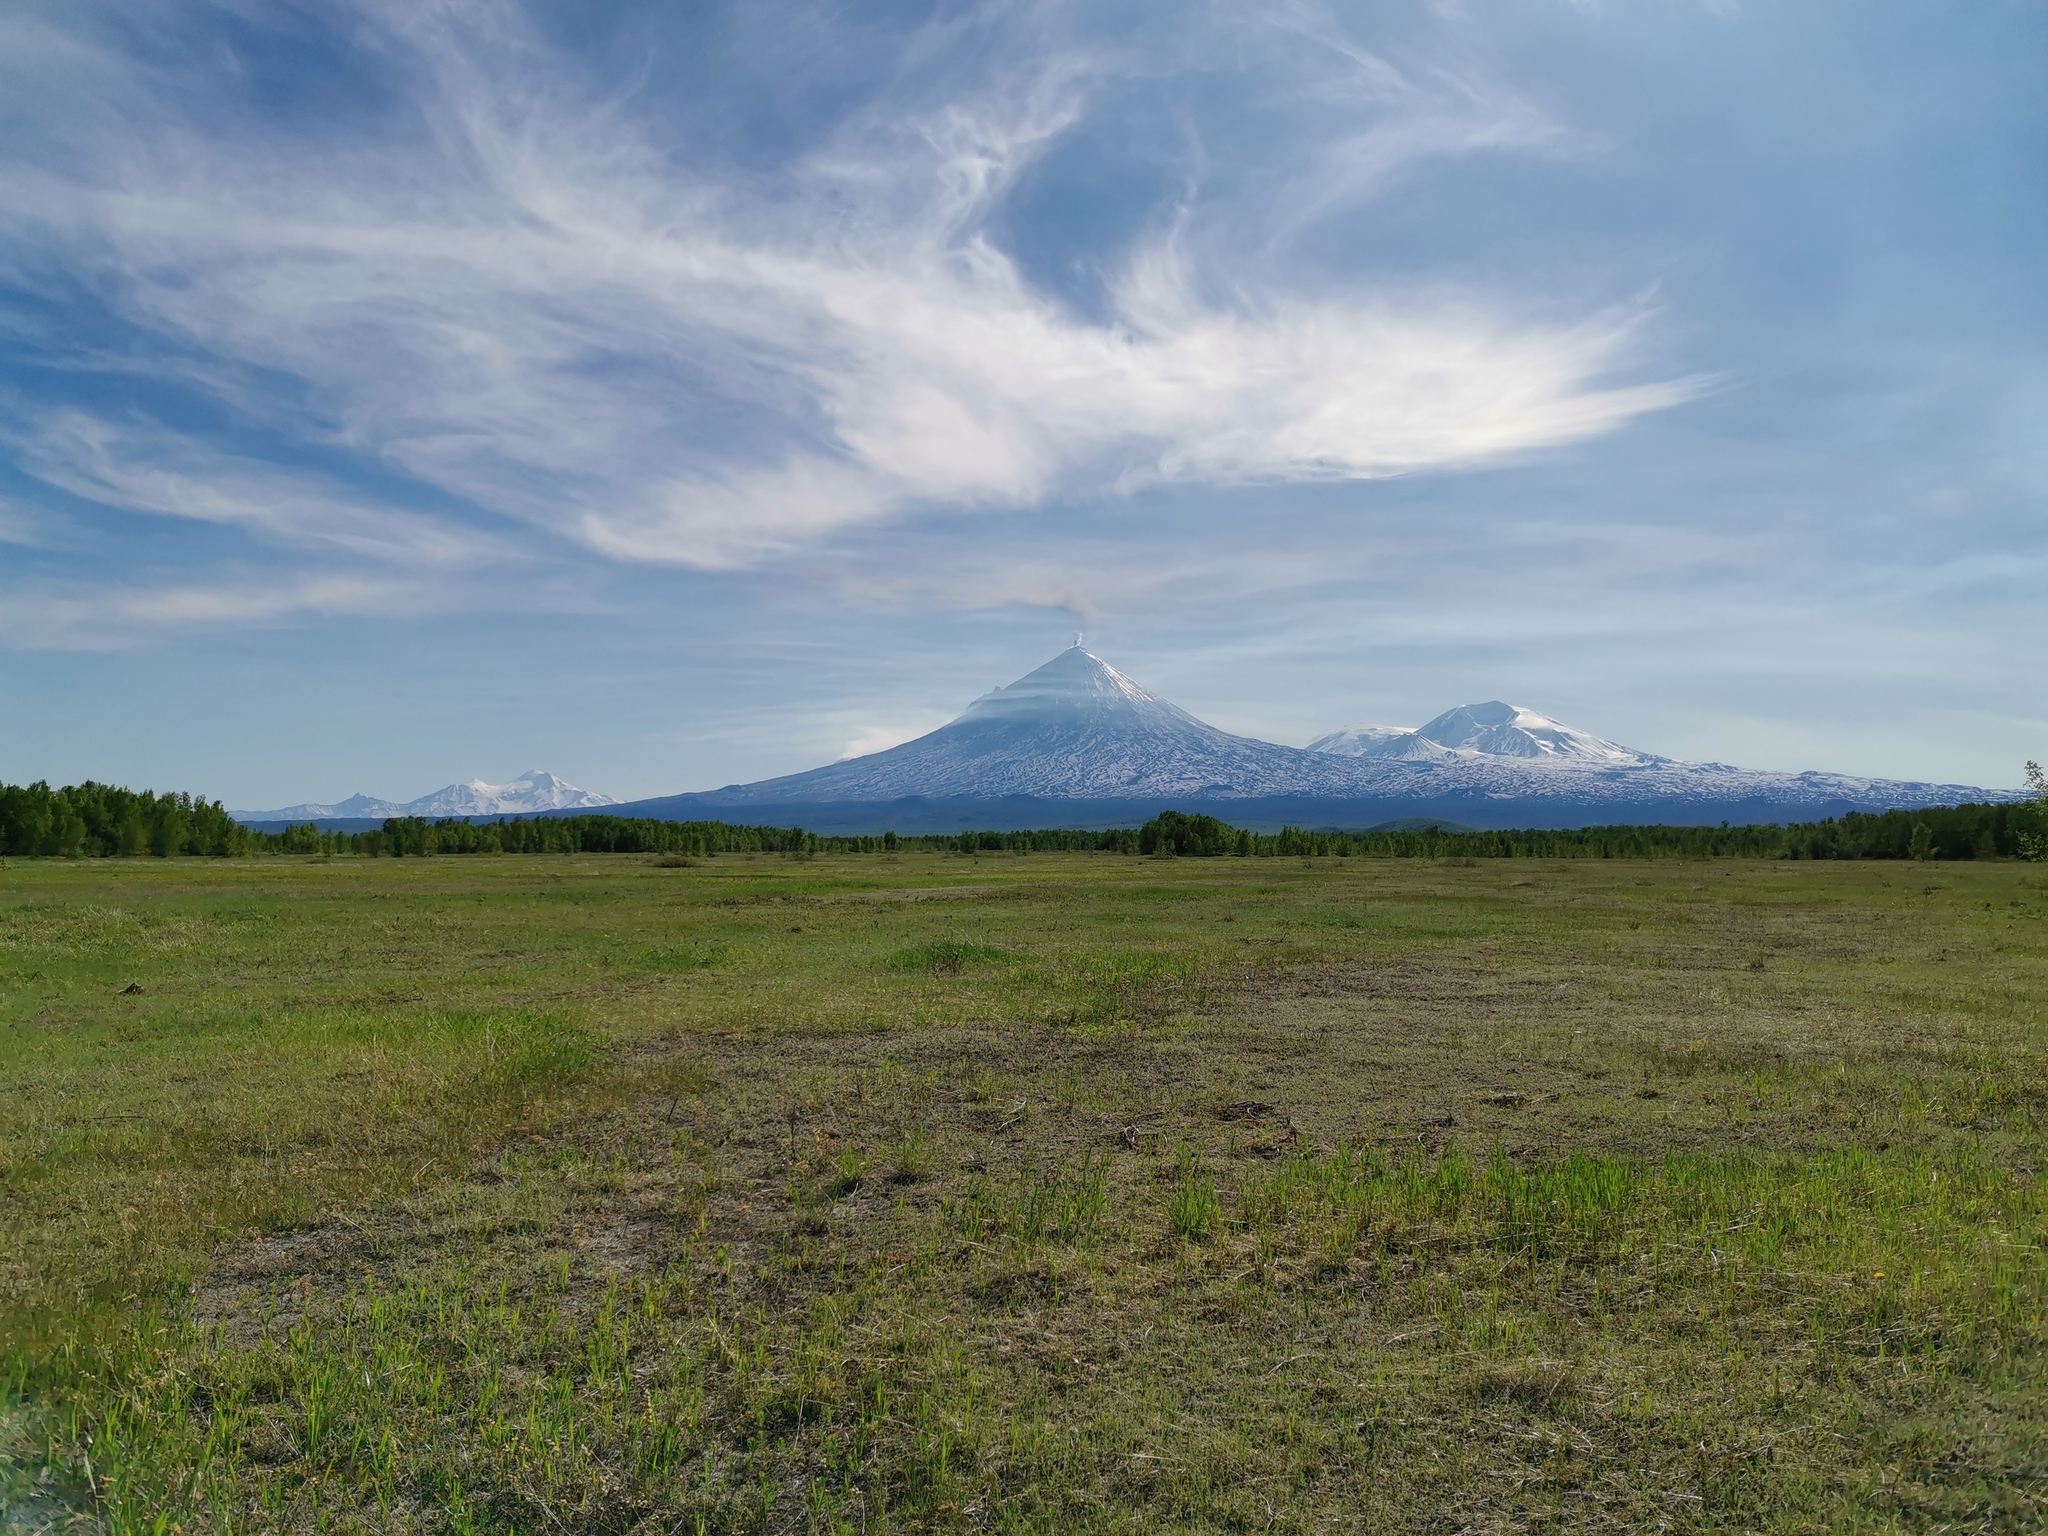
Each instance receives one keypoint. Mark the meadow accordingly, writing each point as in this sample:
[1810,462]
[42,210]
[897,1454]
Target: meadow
[934,1192]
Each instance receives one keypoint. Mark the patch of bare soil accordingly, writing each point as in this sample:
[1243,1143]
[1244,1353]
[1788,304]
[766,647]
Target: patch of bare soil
[1494,1051]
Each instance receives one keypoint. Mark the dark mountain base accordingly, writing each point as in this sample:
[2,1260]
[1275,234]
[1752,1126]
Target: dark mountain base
[1269,814]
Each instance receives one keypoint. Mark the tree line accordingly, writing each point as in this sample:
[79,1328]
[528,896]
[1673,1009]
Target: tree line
[414,836]
[1937,832]
[92,820]
[101,821]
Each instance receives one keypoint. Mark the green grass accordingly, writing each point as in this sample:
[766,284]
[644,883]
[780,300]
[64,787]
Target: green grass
[927,1192]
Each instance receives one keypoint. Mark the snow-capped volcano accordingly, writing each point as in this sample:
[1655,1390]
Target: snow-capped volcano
[1074,729]
[534,790]
[1078,743]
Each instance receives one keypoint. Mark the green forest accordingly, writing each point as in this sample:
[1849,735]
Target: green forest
[98,821]
[93,820]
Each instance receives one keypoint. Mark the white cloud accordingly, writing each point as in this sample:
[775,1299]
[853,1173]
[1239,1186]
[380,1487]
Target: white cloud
[26,526]
[114,617]
[529,306]
[1096,577]
[143,468]
[880,738]
[1405,117]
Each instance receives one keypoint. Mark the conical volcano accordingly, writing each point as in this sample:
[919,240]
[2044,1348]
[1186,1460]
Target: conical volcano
[1074,729]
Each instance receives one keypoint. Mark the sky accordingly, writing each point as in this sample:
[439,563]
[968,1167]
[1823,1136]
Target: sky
[402,391]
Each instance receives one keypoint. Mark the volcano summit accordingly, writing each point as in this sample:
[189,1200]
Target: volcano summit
[1077,743]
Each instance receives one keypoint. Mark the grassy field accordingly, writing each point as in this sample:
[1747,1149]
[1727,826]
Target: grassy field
[927,1192]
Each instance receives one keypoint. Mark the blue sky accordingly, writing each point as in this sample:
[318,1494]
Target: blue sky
[671,396]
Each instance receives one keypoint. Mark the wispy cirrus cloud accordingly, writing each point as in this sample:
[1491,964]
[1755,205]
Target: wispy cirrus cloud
[511,288]
[117,616]
[26,526]
[141,467]
[1385,118]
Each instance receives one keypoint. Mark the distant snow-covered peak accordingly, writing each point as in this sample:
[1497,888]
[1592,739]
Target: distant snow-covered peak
[1360,740]
[534,790]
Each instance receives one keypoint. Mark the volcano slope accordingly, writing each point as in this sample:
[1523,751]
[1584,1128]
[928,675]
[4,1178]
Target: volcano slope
[942,1193]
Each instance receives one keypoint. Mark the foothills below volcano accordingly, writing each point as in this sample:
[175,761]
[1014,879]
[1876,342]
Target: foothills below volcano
[1076,743]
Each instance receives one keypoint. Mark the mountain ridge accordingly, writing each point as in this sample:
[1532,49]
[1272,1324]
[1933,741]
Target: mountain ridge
[534,790]
[1075,742]
[1075,737]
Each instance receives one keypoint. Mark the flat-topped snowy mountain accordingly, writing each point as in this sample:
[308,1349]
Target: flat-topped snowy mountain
[531,791]
[1484,730]
[1076,743]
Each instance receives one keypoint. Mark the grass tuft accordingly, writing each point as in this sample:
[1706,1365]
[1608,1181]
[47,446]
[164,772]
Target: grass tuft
[1193,1208]
[1537,1384]
[947,957]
